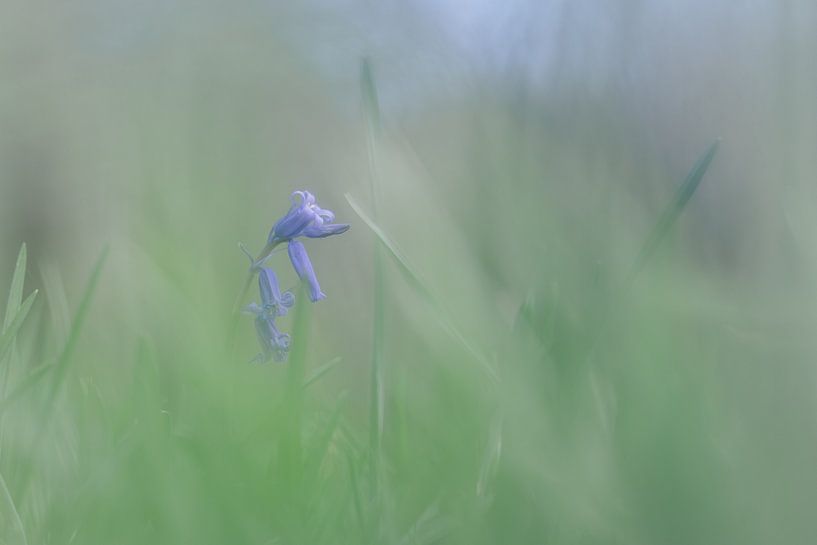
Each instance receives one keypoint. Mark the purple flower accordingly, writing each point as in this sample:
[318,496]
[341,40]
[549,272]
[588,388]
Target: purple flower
[302,266]
[304,218]
[274,344]
[273,302]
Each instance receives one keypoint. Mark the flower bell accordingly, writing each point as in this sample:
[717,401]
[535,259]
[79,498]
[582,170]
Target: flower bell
[272,300]
[302,265]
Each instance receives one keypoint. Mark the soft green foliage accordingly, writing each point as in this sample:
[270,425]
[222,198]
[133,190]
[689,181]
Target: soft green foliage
[554,320]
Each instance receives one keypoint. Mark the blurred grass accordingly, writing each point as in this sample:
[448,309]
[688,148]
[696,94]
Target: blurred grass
[487,375]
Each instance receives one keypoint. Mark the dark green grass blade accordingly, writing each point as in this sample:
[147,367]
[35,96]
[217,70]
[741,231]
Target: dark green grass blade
[11,527]
[16,290]
[420,286]
[673,210]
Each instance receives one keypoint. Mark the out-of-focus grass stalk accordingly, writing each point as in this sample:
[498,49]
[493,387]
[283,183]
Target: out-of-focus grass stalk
[12,307]
[12,530]
[377,394]
[673,210]
[290,457]
[16,312]
[61,367]
[413,278]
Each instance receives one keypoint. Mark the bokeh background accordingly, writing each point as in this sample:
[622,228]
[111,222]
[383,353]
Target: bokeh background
[487,369]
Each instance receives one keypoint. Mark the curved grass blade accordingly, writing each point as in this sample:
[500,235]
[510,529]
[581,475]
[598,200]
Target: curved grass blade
[418,284]
[673,210]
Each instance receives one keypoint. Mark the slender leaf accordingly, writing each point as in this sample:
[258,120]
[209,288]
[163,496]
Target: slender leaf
[673,210]
[420,286]
[11,332]
[320,371]
[16,290]
[290,448]
[377,387]
[63,361]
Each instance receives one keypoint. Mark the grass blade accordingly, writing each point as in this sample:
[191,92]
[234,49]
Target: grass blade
[673,210]
[61,366]
[13,307]
[11,527]
[377,390]
[16,290]
[290,459]
[320,371]
[420,286]
[11,331]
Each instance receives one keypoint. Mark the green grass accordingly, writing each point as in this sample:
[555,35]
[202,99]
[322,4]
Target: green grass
[537,331]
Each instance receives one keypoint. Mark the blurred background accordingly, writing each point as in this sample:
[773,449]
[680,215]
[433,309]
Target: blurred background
[498,367]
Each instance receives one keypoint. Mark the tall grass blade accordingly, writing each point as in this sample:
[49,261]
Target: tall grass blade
[377,389]
[291,450]
[673,210]
[415,281]
[11,526]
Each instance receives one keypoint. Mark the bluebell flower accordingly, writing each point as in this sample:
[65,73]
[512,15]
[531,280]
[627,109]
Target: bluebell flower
[302,266]
[274,344]
[273,301]
[304,218]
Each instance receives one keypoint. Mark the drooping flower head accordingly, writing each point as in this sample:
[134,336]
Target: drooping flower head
[273,301]
[274,344]
[302,265]
[305,218]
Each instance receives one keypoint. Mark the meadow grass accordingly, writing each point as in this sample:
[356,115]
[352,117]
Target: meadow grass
[535,332]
